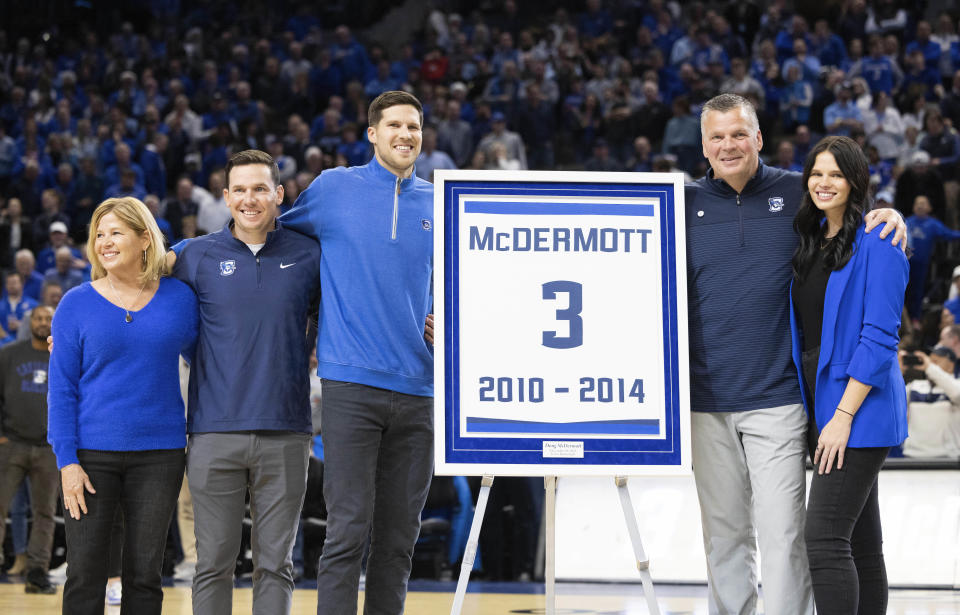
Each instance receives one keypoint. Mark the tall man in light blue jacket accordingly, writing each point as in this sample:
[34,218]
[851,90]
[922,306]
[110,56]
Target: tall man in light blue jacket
[375,227]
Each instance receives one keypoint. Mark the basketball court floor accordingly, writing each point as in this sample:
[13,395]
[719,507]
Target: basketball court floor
[436,598]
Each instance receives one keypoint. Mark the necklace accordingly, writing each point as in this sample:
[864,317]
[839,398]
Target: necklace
[128,318]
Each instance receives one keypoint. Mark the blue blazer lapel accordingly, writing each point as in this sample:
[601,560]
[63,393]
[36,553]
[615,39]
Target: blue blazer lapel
[831,306]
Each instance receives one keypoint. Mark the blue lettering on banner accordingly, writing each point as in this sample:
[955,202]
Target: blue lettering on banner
[546,239]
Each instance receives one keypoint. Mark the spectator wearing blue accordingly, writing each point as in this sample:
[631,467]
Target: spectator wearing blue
[349,55]
[124,161]
[63,271]
[382,82]
[115,414]
[503,91]
[376,365]
[537,127]
[354,149]
[924,231]
[809,64]
[505,51]
[126,187]
[880,73]
[928,48]
[842,115]
[219,113]
[919,79]
[596,21]
[796,99]
[827,46]
[707,52]
[14,303]
[954,304]
[154,168]
[787,36]
[244,109]
[249,426]
[61,121]
[326,79]
[64,184]
[25,264]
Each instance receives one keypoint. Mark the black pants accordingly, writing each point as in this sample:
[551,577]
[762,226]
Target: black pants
[843,534]
[144,485]
[378,463]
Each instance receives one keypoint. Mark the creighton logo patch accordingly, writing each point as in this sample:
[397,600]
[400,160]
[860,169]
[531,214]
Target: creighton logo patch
[227,267]
[776,203]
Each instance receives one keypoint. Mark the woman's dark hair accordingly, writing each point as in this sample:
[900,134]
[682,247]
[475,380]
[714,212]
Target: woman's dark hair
[809,221]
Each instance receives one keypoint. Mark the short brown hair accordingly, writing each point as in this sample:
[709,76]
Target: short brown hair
[391,99]
[252,156]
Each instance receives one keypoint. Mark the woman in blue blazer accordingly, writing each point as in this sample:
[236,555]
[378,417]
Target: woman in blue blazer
[846,300]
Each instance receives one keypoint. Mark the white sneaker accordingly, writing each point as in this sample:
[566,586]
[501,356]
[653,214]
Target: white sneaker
[59,574]
[184,571]
[114,593]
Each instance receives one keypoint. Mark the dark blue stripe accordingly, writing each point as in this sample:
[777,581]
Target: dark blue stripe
[557,209]
[632,427]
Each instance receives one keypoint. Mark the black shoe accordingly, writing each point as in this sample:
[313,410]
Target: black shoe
[38,583]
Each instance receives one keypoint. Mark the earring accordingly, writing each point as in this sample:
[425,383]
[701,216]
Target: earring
[144,257]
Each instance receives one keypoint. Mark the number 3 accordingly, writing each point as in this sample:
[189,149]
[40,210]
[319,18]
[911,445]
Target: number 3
[572,314]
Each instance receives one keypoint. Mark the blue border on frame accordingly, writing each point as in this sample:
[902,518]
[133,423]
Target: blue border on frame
[529,451]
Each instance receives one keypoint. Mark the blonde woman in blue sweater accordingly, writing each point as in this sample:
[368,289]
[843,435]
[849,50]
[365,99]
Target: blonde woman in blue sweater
[116,419]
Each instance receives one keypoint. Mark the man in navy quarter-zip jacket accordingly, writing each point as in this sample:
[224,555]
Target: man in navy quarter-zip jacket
[375,227]
[248,413]
[748,423]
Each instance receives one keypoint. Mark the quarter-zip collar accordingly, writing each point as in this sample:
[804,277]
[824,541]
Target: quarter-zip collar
[721,186]
[228,231]
[380,174]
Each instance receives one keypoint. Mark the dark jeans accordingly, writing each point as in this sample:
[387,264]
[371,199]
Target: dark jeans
[843,534]
[19,460]
[144,485]
[378,462]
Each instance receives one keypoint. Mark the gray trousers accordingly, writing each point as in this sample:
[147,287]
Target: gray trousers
[750,476]
[17,461]
[378,464]
[222,467]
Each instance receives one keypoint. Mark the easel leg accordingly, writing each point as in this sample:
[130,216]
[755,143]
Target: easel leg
[550,571]
[643,564]
[470,553]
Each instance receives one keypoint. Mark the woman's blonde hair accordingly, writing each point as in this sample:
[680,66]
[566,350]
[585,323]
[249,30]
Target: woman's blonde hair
[134,214]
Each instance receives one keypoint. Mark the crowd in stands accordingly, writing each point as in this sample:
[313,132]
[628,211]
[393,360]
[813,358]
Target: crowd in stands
[153,109]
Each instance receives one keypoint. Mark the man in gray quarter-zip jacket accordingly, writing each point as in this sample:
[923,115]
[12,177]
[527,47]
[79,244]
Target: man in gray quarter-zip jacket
[748,423]
[375,228]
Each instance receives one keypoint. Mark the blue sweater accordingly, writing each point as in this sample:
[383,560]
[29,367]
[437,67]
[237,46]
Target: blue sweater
[376,271]
[739,249]
[114,385]
[251,370]
[923,233]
